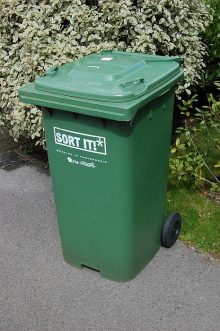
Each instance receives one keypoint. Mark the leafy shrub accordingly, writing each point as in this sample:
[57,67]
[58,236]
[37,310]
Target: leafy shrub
[212,39]
[195,152]
[36,34]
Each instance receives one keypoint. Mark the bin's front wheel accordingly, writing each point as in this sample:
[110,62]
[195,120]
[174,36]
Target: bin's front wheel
[171,230]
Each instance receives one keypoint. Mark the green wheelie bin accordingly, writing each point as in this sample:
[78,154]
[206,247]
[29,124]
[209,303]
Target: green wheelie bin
[108,120]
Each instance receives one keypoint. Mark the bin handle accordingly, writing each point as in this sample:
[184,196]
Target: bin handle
[52,71]
[132,83]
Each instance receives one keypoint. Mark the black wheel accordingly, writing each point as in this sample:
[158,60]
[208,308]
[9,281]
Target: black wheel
[171,230]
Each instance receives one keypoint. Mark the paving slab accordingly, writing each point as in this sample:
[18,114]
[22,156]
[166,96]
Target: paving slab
[178,290]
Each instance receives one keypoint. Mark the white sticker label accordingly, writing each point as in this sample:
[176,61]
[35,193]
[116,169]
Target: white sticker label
[106,58]
[82,141]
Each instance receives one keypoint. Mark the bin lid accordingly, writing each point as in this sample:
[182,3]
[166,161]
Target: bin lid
[109,76]
[109,84]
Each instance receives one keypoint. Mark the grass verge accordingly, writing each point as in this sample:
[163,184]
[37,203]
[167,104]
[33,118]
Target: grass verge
[200,218]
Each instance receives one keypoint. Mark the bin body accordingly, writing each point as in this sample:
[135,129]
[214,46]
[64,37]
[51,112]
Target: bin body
[110,206]
[109,160]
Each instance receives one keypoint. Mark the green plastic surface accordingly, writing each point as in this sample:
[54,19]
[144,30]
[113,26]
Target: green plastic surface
[109,175]
[109,182]
[109,84]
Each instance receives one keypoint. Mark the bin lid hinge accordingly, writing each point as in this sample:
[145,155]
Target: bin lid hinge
[164,104]
[75,115]
[104,122]
[150,115]
[50,111]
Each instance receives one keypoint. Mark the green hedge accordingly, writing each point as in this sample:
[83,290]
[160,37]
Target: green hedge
[36,34]
[211,38]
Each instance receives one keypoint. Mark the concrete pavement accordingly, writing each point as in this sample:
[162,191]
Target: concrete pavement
[178,290]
